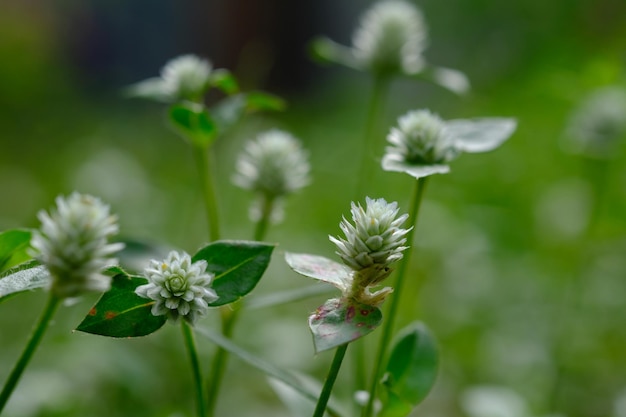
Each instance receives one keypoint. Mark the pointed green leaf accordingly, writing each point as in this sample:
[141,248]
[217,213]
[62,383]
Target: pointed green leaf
[23,277]
[321,268]
[238,266]
[14,245]
[411,371]
[260,101]
[225,81]
[122,313]
[327,51]
[194,123]
[480,135]
[450,79]
[416,171]
[340,321]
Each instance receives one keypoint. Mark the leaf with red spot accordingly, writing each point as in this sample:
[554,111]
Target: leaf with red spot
[122,313]
[339,321]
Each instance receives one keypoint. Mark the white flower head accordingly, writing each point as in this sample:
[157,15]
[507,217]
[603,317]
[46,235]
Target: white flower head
[273,165]
[375,241]
[598,124]
[73,244]
[421,138]
[178,287]
[376,236]
[391,38]
[186,77]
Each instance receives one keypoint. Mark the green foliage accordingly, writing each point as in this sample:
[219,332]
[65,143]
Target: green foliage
[122,313]
[225,81]
[339,321]
[13,248]
[238,266]
[411,371]
[193,122]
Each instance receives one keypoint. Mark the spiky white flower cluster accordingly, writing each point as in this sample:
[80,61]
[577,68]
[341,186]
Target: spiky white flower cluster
[178,287]
[421,138]
[73,244]
[391,38]
[599,123]
[273,165]
[375,241]
[186,77]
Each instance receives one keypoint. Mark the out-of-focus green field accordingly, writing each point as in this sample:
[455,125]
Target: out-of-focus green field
[520,262]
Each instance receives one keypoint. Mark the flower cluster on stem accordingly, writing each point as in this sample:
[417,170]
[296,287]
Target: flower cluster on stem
[371,245]
[179,287]
[73,244]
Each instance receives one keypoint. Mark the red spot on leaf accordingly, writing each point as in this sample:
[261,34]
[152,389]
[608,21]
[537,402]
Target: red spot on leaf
[93,311]
[365,312]
[350,313]
[110,315]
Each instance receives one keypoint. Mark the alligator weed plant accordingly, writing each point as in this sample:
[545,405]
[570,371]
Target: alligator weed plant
[72,254]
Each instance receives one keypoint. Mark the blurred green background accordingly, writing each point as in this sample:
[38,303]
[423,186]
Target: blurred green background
[520,266]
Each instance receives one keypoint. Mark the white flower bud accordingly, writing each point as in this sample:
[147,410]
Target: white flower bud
[186,77]
[391,38]
[72,244]
[421,139]
[178,287]
[274,164]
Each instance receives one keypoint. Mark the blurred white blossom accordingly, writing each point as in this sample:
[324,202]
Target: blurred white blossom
[73,244]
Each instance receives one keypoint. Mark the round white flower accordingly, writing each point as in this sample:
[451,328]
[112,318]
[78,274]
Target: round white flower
[421,139]
[391,38]
[73,244]
[186,77]
[178,287]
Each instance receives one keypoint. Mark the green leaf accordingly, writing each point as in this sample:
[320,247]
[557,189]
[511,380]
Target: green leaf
[480,135]
[411,371]
[340,321]
[23,277]
[258,101]
[194,123]
[238,266]
[450,79]
[416,171]
[122,313]
[327,51]
[14,245]
[225,81]
[321,268]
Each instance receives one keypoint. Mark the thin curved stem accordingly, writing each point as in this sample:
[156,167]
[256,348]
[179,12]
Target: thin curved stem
[385,339]
[31,346]
[322,401]
[267,207]
[190,344]
[379,91]
[218,367]
[203,163]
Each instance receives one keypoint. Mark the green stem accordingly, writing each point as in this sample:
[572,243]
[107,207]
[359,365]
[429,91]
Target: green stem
[379,90]
[203,162]
[266,214]
[330,381]
[385,339]
[218,367]
[40,329]
[195,367]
